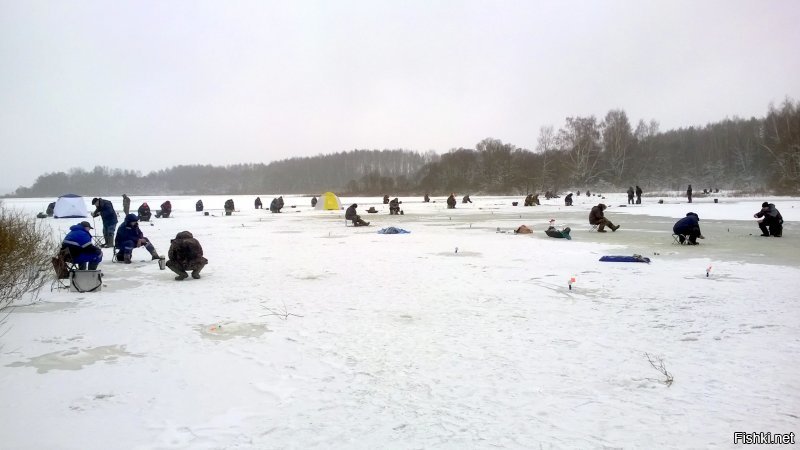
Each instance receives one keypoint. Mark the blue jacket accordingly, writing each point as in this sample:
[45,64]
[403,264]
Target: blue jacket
[80,244]
[687,224]
[106,210]
[127,232]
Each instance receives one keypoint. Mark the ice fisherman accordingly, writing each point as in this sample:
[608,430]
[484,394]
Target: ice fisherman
[126,204]
[451,201]
[568,200]
[105,209]
[597,217]
[258,203]
[351,215]
[165,211]
[689,227]
[130,236]
[229,207]
[80,245]
[144,212]
[185,253]
[394,206]
[771,223]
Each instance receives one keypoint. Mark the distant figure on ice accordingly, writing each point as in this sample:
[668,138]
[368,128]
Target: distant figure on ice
[229,208]
[588,194]
[126,204]
[689,193]
[451,201]
[81,248]
[466,199]
[771,223]
[185,253]
[630,195]
[276,205]
[536,200]
[528,200]
[426,199]
[198,206]
[386,199]
[313,201]
[394,206]
[51,207]
[351,215]
[165,211]
[129,237]
[638,195]
[688,226]
[258,204]
[568,200]
[105,209]
[597,217]
[144,212]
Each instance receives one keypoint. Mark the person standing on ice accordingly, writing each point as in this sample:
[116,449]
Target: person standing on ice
[314,201]
[129,236]
[105,209]
[630,195]
[689,193]
[772,222]
[351,215]
[229,207]
[597,217]
[688,226]
[638,195]
[126,204]
[185,253]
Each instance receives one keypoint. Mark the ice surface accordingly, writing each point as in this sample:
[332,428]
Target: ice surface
[304,333]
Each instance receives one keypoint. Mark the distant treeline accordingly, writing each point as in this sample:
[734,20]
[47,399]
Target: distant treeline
[586,152]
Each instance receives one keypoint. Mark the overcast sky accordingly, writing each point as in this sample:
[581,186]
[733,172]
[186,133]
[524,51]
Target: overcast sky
[147,85]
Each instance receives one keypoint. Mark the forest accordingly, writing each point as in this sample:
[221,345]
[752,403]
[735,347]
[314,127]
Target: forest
[605,154]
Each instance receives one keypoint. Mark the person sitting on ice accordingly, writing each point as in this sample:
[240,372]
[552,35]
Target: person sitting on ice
[451,201]
[144,212]
[276,205]
[165,211]
[466,199]
[198,206]
[81,247]
[689,227]
[597,217]
[229,207]
[568,200]
[314,201]
[394,206]
[185,253]
[129,236]
[351,215]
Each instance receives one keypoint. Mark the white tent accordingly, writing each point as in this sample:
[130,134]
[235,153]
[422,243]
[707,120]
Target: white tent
[70,205]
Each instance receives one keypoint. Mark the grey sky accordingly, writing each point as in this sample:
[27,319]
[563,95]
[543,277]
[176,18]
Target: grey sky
[150,84]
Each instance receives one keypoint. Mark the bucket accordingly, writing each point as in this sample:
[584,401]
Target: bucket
[85,280]
[162,263]
[716,200]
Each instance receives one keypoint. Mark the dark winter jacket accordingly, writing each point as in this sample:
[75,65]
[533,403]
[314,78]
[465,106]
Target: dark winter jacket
[687,225]
[80,244]
[126,203]
[144,212]
[276,205]
[50,208]
[466,199]
[198,206]
[258,203]
[630,192]
[451,201]
[128,232]
[385,199]
[166,207]
[350,213]
[186,251]
[313,201]
[770,214]
[229,205]
[638,191]
[105,209]
[395,203]
[568,199]
[596,215]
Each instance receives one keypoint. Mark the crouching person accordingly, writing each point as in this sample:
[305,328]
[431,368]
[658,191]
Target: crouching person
[185,253]
[130,236]
[81,248]
[353,216]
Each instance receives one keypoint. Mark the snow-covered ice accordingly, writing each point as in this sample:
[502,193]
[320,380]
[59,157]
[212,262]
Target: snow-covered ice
[305,333]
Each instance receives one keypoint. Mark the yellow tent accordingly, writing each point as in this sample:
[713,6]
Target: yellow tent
[329,201]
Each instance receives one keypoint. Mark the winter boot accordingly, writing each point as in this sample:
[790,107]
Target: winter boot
[154,255]
[614,227]
[126,258]
[196,272]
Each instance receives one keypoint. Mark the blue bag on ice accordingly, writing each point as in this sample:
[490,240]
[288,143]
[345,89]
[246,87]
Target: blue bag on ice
[393,230]
[634,258]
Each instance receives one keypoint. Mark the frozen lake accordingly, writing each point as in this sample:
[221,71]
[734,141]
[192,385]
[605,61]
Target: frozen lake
[304,333]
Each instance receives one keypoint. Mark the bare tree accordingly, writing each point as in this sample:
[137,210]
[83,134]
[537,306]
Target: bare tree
[618,141]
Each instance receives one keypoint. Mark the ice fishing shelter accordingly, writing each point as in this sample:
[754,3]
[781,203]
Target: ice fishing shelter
[70,205]
[329,201]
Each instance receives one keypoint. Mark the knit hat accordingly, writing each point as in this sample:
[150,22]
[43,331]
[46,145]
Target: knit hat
[765,204]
